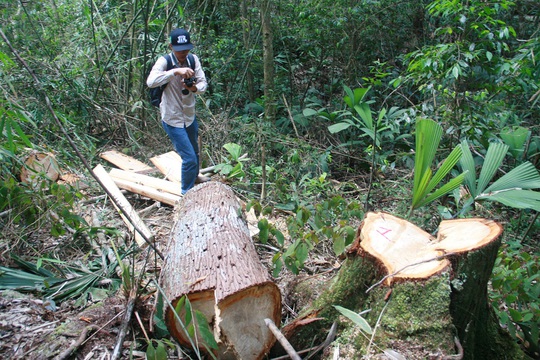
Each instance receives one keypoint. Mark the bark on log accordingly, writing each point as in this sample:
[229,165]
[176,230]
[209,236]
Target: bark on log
[212,260]
[423,291]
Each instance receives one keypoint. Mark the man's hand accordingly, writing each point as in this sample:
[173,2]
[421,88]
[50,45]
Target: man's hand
[184,72]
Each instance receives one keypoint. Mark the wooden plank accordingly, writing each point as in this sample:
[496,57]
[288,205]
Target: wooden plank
[148,181]
[119,198]
[164,197]
[125,162]
[170,164]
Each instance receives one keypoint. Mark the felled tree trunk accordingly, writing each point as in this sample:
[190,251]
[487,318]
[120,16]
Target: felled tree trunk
[427,295]
[212,260]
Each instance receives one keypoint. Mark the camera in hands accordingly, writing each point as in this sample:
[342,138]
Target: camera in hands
[189,83]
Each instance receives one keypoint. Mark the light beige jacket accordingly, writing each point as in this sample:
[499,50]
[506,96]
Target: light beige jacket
[176,109]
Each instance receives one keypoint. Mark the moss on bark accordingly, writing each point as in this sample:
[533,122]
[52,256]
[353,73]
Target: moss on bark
[426,315]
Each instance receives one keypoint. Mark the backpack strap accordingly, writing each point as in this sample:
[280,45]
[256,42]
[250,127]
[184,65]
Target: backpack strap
[191,61]
[169,61]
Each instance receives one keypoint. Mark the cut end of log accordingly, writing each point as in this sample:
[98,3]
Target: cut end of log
[39,163]
[408,252]
[237,322]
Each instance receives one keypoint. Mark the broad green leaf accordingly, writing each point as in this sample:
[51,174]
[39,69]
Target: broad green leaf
[515,138]
[467,165]
[204,330]
[263,230]
[420,192]
[338,127]
[279,236]
[525,176]
[156,353]
[492,162]
[443,190]
[302,252]
[520,199]
[364,112]
[355,96]
[151,352]
[307,112]
[455,71]
[339,245]
[357,319]
[428,136]
[445,168]
[234,150]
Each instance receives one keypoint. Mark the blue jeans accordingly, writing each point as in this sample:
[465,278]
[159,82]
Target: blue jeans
[186,144]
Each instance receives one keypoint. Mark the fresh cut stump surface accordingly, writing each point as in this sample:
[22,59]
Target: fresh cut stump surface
[211,259]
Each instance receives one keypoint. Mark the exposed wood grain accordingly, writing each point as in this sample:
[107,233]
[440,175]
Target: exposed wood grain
[147,181]
[170,164]
[125,162]
[408,252]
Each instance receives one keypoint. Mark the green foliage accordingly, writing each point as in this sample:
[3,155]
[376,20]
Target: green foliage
[328,222]
[515,293]
[428,136]
[71,281]
[232,166]
[514,189]
[516,137]
[42,203]
[196,325]
[356,318]
[158,352]
[361,119]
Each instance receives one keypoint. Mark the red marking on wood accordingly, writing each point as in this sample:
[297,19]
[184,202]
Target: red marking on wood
[386,231]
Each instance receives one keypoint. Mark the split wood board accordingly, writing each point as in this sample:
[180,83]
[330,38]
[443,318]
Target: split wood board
[164,197]
[148,181]
[125,162]
[170,164]
[121,201]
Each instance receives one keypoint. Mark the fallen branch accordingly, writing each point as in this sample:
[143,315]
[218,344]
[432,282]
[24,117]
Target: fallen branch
[74,346]
[314,350]
[436,258]
[282,340]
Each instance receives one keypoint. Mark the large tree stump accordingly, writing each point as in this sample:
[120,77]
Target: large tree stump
[212,260]
[427,294]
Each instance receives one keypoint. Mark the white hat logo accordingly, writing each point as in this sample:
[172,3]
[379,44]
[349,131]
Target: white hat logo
[182,39]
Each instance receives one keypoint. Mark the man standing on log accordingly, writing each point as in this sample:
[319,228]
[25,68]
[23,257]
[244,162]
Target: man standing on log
[184,77]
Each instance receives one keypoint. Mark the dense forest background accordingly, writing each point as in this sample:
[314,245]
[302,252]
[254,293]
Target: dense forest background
[322,95]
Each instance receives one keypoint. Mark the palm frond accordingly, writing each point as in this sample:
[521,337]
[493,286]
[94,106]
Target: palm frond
[494,158]
[468,166]
[428,136]
[525,176]
[516,198]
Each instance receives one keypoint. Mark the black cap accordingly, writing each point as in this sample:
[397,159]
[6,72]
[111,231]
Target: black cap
[180,40]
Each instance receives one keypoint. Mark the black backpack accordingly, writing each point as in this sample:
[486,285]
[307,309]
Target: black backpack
[157,92]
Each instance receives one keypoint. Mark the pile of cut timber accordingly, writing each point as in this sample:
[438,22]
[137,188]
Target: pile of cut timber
[131,175]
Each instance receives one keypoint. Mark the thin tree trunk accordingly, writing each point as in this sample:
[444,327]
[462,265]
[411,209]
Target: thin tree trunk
[268,60]
[245,36]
